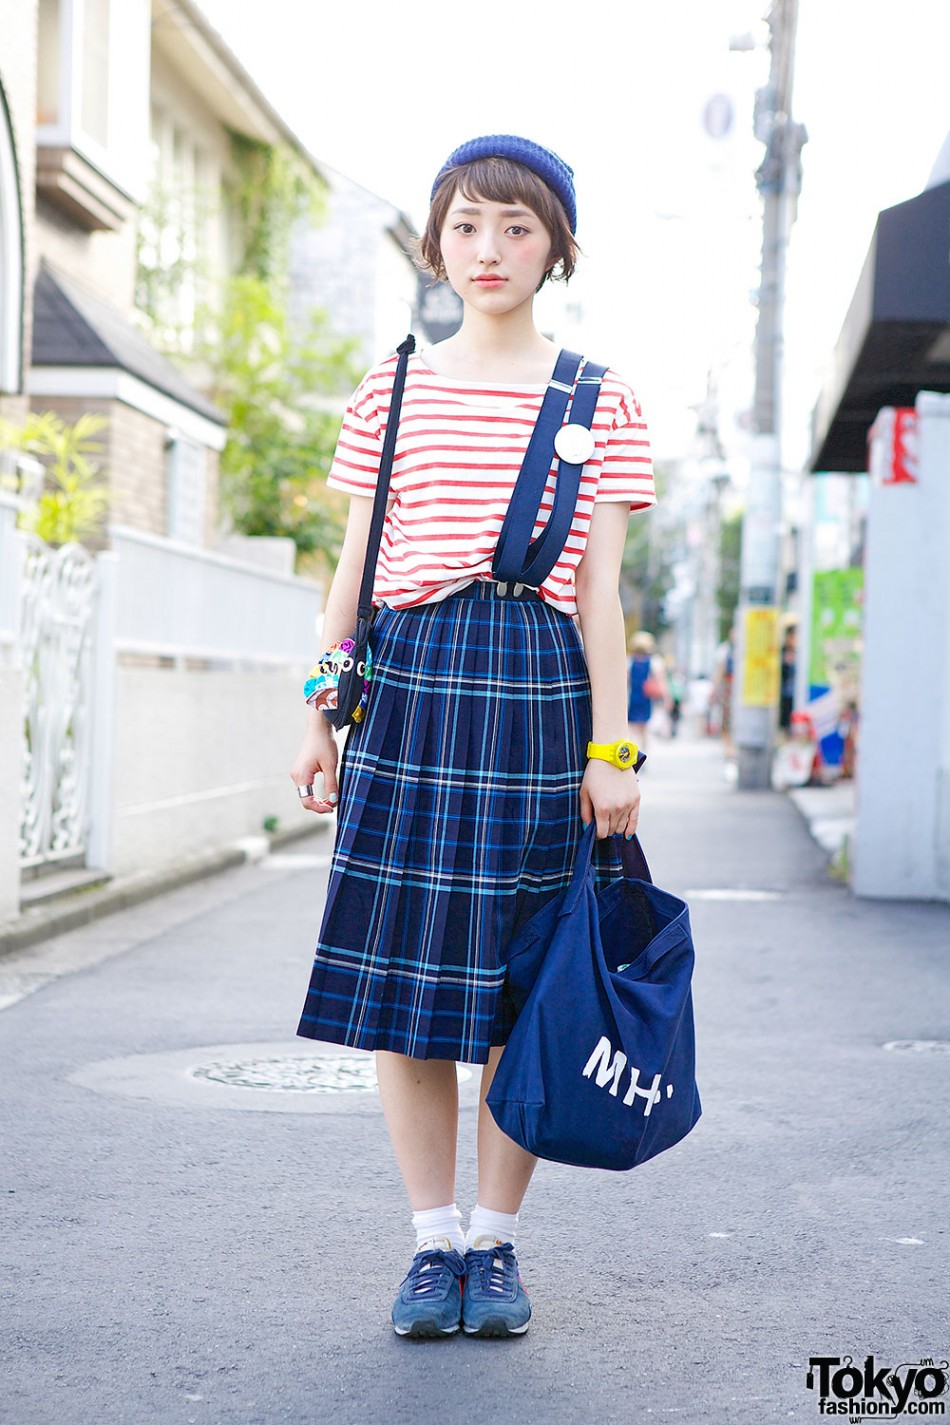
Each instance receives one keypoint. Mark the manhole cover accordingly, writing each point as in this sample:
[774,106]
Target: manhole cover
[919,1046]
[266,1076]
[341,1074]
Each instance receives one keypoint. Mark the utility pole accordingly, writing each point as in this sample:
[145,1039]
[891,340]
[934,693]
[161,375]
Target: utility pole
[755,684]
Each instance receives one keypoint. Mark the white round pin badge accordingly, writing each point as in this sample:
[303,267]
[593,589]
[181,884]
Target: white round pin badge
[574,444]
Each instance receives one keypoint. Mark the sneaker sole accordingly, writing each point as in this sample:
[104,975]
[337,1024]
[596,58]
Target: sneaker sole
[495,1327]
[424,1331]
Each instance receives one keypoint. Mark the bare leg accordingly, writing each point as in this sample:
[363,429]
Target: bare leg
[504,1169]
[420,1100]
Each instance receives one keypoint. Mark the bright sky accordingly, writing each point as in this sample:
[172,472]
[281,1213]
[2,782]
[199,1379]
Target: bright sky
[668,218]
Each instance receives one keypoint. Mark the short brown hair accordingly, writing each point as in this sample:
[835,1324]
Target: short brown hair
[499,180]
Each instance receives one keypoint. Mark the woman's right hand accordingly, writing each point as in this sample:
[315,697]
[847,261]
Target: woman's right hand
[317,756]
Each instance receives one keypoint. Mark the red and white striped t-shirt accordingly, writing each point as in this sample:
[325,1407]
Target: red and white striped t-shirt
[458,452]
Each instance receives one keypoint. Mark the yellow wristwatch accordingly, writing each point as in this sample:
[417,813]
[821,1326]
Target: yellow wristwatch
[620,754]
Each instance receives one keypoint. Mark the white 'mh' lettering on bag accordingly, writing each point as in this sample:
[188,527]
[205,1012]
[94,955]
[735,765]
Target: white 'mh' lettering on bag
[607,1068]
[600,1060]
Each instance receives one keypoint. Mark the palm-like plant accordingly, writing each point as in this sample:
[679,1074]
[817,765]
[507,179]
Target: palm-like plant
[71,507]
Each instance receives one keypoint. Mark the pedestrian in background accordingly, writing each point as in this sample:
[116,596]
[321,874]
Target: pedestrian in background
[676,690]
[646,683]
[789,655]
[721,698]
[492,730]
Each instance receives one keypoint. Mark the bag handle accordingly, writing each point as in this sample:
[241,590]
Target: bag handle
[364,607]
[517,559]
[635,866]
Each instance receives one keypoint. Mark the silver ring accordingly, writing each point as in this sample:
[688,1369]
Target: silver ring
[306,791]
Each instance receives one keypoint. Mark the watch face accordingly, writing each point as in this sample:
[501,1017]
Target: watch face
[624,754]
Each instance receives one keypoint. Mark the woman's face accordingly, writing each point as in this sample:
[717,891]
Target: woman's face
[495,254]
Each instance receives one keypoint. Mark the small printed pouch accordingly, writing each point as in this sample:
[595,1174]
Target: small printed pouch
[322,688]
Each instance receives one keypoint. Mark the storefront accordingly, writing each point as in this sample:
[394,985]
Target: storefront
[878,625]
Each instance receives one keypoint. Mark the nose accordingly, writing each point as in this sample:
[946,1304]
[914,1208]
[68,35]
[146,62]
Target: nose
[488,254]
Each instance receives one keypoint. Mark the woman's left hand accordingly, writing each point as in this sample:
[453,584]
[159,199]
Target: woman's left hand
[611,797]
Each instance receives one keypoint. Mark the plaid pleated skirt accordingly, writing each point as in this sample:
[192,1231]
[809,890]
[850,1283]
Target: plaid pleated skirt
[459,817]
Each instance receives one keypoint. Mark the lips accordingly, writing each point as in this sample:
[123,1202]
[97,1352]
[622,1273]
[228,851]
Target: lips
[489,281]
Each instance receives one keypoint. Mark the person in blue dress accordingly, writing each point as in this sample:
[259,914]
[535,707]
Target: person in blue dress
[647,685]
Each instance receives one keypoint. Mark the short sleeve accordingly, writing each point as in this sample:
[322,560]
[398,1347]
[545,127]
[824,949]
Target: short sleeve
[627,471]
[355,465]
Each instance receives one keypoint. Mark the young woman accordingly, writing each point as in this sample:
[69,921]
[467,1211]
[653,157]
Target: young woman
[492,731]
[647,682]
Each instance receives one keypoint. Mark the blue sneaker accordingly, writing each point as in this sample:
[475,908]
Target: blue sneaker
[495,1302]
[430,1299]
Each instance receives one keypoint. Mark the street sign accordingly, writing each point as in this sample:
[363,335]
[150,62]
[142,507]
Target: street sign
[439,309]
[760,663]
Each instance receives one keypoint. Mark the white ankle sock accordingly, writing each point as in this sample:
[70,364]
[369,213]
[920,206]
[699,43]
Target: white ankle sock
[493,1226]
[435,1226]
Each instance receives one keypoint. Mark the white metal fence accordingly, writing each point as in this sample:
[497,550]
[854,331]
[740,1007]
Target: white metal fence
[57,611]
[10,551]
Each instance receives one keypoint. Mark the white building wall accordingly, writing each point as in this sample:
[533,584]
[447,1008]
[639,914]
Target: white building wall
[902,835]
[11,712]
[11,769]
[351,268]
[396,285]
[201,759]
[205,696]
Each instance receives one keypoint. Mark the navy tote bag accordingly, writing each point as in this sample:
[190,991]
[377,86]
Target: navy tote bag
[600,1068]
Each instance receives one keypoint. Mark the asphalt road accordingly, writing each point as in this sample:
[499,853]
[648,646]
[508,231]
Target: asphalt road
[179,1249]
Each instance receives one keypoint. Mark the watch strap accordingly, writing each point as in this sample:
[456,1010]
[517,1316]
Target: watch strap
[607,752]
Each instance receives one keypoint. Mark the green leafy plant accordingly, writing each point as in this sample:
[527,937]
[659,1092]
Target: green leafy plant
[839,867]
[72,506]
[280,434]
[730,553]
[267,190]
[278,383]
[647,568]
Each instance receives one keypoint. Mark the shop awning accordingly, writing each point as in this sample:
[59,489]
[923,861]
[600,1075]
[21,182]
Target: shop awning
[895,340]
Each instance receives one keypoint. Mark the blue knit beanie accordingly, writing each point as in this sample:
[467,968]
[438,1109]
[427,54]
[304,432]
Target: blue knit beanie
[542,161]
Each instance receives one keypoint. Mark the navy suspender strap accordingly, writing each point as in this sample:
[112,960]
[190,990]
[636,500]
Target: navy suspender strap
[519,522]
[546,549]
[517,559]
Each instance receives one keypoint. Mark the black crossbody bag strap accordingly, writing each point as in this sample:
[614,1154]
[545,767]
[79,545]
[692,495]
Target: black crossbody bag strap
[364,608]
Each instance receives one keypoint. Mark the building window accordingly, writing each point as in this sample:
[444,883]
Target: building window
[49,69]
[92,107]
[186,461]
[95,70]
[180,254]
